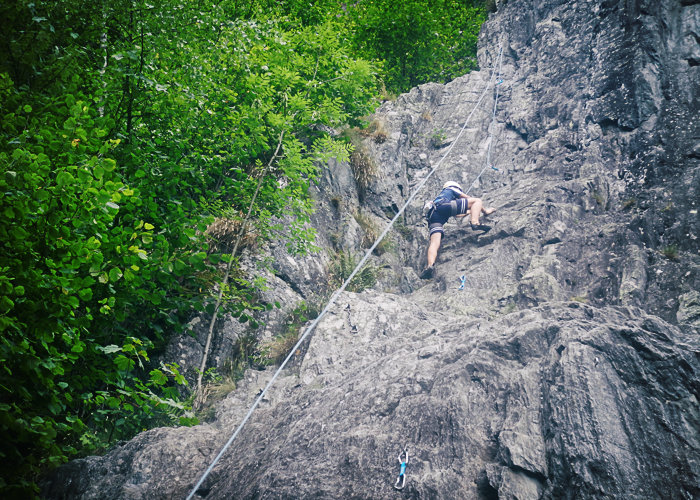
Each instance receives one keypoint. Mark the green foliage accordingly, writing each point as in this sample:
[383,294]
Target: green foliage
[370,233]
[629,203]
[363,167]
[276,350]
[126,130]
[437,138]
[342,266]
[670,252]
[418,41]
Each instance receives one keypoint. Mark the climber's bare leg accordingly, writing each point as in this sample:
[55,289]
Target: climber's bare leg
[475,208]
[433,248]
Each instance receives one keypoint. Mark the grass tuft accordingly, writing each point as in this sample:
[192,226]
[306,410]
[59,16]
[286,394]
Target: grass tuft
[341,268]
[670,252]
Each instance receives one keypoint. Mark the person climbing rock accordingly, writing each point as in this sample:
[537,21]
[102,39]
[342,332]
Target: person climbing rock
[451,202]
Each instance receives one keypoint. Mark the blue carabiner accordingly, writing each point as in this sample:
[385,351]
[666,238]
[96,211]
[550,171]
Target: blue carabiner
[464,280]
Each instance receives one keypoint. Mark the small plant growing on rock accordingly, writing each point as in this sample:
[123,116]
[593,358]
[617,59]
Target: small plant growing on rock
[670,252]
[244,354]
[629,203]
[598,198]
[276,350]
[364,169]
[385,95]
[509,308]
[342,266]
[437,138]
[369,229]
[370,233]
[377,130]
[404,230]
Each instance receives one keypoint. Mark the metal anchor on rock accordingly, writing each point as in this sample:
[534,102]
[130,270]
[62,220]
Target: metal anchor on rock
[403,460]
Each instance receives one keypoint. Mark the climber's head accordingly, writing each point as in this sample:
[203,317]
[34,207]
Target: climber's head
[451,184]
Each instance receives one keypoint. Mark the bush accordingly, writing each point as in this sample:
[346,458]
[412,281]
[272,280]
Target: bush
[419,41]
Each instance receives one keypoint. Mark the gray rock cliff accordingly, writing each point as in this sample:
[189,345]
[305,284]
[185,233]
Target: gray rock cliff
[568,366]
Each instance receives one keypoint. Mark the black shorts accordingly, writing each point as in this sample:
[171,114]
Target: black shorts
[444,212]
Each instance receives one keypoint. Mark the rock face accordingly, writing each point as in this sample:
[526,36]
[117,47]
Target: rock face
[568,366]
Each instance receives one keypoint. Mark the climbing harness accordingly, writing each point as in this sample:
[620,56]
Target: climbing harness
[342,288]
[428,209]
[403,460]
[464,279]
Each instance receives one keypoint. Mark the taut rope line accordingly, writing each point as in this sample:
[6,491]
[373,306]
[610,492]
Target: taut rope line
[493,120]
[335,295]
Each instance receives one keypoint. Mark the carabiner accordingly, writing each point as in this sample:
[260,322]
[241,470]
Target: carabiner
[463,279]
[401,480]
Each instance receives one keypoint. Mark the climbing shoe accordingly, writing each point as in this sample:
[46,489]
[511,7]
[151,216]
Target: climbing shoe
[480,227]
[427,273]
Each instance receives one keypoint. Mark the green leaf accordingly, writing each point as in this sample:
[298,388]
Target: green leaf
[115,274]
[109,164]
[64,179]
[123,363]
[158,377]
[110,349]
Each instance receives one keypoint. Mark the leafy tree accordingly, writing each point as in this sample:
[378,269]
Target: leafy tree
[109,173]
[418,41]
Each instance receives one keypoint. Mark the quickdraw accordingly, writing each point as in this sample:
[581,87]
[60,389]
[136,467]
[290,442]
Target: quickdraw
[464,281]
[403,460]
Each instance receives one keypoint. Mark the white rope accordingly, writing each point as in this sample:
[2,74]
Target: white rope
[335,295]
[493,120]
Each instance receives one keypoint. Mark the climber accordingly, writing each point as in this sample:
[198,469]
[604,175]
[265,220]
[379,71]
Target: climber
[451,202]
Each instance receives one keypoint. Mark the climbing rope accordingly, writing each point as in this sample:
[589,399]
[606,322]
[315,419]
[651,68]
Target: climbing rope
[488,164]
[342,288]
